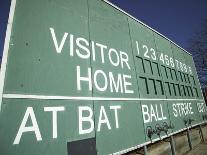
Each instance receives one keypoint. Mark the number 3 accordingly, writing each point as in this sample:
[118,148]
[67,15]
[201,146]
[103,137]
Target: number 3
[153,56]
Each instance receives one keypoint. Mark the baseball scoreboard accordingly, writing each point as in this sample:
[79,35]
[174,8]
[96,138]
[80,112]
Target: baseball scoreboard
[84,77]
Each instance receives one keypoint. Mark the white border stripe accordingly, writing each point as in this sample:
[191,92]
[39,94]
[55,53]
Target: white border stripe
[48,97]
[116,7]
[6,48]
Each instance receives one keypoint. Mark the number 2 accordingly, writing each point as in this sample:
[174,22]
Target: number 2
[146,52]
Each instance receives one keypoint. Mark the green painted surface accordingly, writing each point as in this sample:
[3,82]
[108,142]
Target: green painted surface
[67,126]
[105,25]
[193,78]
[146,61]
[131,77]
[155,115]
[37,67]
[124,134]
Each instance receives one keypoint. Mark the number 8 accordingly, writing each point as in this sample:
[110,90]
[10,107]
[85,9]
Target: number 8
[172,62]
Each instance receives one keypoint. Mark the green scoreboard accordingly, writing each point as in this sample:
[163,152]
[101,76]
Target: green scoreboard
[84,77]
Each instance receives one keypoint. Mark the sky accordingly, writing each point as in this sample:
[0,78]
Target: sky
[178,20]
[4,13]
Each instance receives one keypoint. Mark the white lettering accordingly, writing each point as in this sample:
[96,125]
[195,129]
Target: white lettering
[23,128]
[126,83]
[100,72]
[145,113]
[87,79]
[102,47]
[84,48]
[88,119]
[124,58]
[115,108]
[103,119]
[117,57]
[54,111]
[117,85]
[58,48]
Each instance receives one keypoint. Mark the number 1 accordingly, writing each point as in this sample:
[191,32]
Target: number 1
[137,47]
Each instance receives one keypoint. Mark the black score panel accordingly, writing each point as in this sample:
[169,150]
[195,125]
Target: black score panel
[85,146]
[195,85]
[181,106]
[146,61]
[150,82]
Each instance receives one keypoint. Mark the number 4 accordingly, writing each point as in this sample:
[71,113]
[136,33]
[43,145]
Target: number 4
[162,58]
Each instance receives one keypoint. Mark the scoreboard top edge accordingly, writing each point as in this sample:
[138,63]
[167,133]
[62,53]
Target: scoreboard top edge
[116,7]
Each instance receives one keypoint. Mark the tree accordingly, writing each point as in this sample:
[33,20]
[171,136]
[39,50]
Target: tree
[198,47]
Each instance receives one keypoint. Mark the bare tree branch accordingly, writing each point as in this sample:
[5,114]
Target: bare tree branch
[198,47]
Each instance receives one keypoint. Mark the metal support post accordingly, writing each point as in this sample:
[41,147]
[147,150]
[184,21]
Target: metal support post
[189,139]
[145,150]
[201,133]
[172,144]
